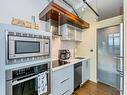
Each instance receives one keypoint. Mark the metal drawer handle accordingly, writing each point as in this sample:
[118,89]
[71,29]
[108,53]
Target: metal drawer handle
[64,80]
[65,92]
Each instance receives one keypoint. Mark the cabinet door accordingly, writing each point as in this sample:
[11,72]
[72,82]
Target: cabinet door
[78,34]
[63,32]
[71,32]
[85,71]
[67,32]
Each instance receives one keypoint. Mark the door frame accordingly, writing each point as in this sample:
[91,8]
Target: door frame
[97,48]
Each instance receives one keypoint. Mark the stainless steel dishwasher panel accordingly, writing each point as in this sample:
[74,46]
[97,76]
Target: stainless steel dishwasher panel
[77,75]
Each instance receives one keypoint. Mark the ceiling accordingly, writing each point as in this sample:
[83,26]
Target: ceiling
[77,3]
[105,8]
[109,8]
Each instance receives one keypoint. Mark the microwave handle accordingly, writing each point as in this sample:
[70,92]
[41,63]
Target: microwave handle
[47,46]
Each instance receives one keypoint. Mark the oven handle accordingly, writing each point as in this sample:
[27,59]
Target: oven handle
[23,80]
[26,79]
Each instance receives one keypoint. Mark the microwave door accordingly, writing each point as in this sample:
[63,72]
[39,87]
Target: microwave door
[20,47]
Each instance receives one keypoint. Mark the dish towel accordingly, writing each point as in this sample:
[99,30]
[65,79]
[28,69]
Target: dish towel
[42,83]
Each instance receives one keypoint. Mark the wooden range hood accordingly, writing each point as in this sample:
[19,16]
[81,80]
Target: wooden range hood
[62,16]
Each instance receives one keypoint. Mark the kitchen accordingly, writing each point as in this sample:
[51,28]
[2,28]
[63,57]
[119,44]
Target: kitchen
[24,9]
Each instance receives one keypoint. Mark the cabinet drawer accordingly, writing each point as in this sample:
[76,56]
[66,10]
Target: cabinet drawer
[62,74]
[63,88]
[63,81]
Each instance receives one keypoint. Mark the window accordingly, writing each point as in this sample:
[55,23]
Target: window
[114,39]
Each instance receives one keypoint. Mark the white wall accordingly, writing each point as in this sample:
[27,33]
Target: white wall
[110,22]
[22,9]
[89,42]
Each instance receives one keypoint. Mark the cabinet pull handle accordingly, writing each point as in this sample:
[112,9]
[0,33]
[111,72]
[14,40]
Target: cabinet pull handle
[64,80]
[65,92]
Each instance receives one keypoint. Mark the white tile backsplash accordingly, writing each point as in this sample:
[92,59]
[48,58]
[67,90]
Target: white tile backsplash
[57,44]
[68,44]
[71,45]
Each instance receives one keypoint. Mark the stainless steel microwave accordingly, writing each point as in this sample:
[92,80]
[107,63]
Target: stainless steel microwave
[27,47]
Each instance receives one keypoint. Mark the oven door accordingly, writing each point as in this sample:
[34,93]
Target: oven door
[27,86]
[20,47]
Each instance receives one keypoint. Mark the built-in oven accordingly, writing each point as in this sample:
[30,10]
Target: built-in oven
[26,47]
[33,80]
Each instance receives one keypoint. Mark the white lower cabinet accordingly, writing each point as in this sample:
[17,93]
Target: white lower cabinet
[63,81]
[85,71]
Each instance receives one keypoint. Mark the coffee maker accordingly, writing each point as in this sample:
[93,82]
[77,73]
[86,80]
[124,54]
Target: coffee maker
[64,54]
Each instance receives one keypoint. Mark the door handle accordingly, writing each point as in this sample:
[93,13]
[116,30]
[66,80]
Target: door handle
[119,71]
[118,57]
[118,63]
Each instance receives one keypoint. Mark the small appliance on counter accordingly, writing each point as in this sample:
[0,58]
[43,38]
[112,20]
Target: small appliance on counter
[64,54]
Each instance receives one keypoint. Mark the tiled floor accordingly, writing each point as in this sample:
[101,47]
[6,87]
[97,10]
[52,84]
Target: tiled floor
[90,88]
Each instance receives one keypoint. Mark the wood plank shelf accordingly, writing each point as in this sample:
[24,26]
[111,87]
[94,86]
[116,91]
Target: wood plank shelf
[61,15]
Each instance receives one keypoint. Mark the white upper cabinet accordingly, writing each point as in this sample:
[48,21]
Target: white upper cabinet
[78,33]
[71,33]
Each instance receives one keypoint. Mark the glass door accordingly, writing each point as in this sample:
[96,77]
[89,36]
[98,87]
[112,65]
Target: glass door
[71,32]
[108,41]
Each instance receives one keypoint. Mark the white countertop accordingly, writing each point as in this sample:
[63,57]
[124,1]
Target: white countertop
[72,62]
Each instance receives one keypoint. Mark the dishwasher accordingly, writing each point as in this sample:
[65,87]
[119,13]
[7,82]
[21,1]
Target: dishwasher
[77,75]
